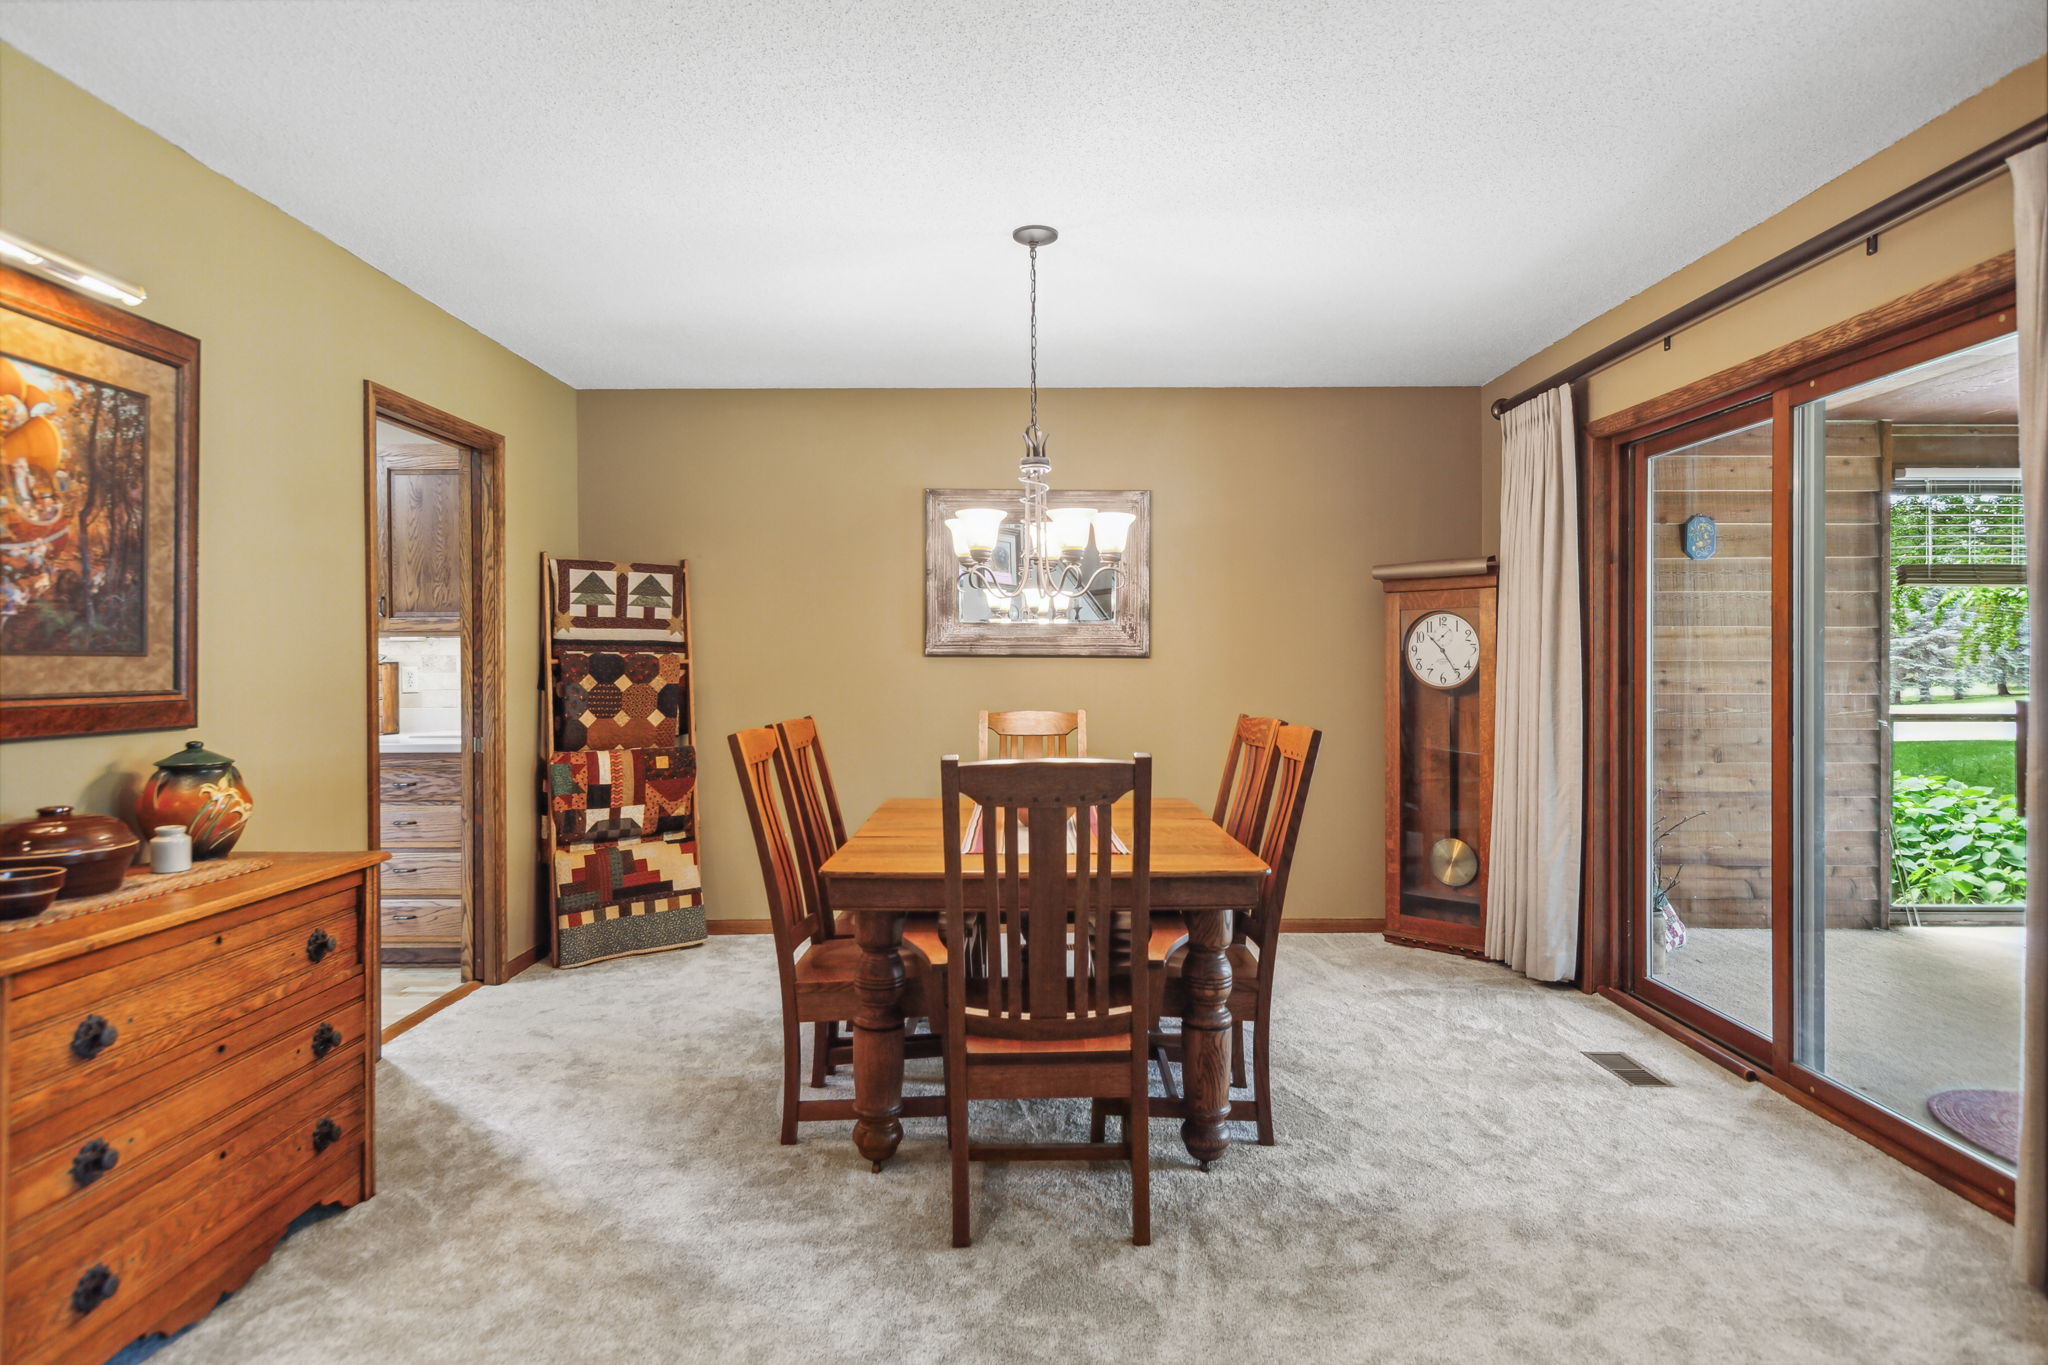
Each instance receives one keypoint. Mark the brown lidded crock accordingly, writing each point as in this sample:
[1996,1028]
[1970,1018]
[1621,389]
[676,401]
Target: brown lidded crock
[94,850]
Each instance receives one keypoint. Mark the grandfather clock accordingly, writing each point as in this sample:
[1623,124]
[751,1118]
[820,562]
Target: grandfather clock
[1439,751]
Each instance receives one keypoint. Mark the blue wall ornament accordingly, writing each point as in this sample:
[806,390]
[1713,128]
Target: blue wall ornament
[1701,537]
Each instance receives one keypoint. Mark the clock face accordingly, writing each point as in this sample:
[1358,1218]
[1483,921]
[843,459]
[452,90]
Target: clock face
[1443,649]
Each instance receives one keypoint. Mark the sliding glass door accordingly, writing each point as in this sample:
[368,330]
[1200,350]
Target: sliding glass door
[1828,630]
[1707,913]
[1911,659]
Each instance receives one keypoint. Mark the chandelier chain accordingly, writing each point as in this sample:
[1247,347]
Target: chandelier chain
[1034,336]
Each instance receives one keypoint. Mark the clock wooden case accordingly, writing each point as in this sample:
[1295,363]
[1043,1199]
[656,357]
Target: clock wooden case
[1440,660]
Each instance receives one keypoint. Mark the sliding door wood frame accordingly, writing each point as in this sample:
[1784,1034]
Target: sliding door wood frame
[1971,306]
[483,641]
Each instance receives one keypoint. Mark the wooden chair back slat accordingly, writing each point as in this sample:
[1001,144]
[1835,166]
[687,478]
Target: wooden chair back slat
[819,827]
[755,753]
[1052,966]
[1034,734]
[1241,801]
[1295,748]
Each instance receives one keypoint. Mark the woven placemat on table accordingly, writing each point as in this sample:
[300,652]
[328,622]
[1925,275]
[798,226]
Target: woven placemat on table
[141,885]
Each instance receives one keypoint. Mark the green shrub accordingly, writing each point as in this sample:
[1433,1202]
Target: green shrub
[1955,844]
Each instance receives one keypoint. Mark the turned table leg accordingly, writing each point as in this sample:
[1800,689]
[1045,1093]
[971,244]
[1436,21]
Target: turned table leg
[878,1035]
[1205,1035]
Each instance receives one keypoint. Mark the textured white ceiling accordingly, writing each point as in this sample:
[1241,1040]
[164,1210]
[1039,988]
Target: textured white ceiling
[800,193]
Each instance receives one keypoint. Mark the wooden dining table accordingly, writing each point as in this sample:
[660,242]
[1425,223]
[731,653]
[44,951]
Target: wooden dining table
[894,867]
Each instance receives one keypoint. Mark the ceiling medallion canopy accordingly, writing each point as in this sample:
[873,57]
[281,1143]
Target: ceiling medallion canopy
[1051,543]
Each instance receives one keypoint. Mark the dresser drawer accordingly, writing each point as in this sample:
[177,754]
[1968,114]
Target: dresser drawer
[61,1176]
[419,777]
[103,1028]
[406,920]
[148,1239]
[417,871]
[416,826]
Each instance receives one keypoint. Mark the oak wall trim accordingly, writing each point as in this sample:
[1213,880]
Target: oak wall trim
[1979,281]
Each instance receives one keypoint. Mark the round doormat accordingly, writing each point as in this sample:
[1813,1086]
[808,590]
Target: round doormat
[1989,1118]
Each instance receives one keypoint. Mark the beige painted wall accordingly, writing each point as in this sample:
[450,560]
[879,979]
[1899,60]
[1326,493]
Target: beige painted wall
[1969,228]
[290,326]
[800,514]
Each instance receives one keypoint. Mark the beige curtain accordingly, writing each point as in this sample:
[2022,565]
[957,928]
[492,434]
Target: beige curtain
[1532,916]
[2030,231]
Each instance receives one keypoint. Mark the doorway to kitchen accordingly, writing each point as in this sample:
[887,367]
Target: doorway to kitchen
[434,518]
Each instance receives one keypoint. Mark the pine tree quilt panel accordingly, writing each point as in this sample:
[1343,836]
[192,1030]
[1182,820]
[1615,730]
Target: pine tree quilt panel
[617,899]
[597,599]
[608,795]
[618,700]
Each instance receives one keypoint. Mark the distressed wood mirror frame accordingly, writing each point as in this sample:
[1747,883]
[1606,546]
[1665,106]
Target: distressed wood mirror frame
[1129,636]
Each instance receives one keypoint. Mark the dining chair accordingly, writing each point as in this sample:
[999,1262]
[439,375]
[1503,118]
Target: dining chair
[817,970]
[1247,780]
[820,830]
[1051,1011]
[1035,734]
[1252,960]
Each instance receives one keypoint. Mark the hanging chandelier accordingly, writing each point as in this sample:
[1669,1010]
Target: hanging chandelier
[1052,543]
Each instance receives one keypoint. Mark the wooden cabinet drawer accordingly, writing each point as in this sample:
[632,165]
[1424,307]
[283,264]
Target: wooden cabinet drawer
[419,777]
[420,826]
[414,871]
[147,1239]
[406,920]
[142,1018]
[219,1088]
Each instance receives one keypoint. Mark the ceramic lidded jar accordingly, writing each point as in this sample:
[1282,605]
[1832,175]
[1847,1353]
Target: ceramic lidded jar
[202,791]
[94,850]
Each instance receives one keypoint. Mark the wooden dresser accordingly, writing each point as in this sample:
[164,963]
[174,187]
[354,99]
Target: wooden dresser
[419,819]
[181,1078]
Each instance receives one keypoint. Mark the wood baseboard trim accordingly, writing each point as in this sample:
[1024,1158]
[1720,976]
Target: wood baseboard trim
[738,926]
[430,1009]
[522,962]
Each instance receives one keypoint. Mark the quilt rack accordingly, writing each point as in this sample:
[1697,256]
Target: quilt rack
[618,817]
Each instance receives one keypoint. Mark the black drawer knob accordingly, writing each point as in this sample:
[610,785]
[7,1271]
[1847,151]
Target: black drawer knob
[93,1036]
[325,1134]
[326,1038]
[94,1160]
[94,1288]
[319,944]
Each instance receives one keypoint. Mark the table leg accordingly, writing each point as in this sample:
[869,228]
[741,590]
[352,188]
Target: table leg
[878,1035]
[1205,1035]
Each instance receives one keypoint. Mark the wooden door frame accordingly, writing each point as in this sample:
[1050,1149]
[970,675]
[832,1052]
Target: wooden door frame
[483,638]
[1917,326]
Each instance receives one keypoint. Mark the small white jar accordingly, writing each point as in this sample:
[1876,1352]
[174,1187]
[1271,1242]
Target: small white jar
[170,850]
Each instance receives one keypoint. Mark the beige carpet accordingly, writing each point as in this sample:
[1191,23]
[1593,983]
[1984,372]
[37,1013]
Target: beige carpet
[1910,1011]
[582,1166]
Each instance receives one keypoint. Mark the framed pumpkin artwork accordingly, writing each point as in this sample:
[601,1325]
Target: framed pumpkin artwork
[99,456]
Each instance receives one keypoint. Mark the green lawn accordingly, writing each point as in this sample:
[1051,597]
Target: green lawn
[1979,762]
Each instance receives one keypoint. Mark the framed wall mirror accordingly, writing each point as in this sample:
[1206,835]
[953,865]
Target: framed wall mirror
[983,598]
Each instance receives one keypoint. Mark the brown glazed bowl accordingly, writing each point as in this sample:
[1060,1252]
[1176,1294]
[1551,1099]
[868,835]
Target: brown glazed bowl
[26,892]
[94,850]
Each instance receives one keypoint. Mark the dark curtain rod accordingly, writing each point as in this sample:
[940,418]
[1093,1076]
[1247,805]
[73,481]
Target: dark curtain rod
[1949,180]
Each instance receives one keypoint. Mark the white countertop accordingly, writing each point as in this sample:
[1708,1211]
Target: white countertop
[419,744]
